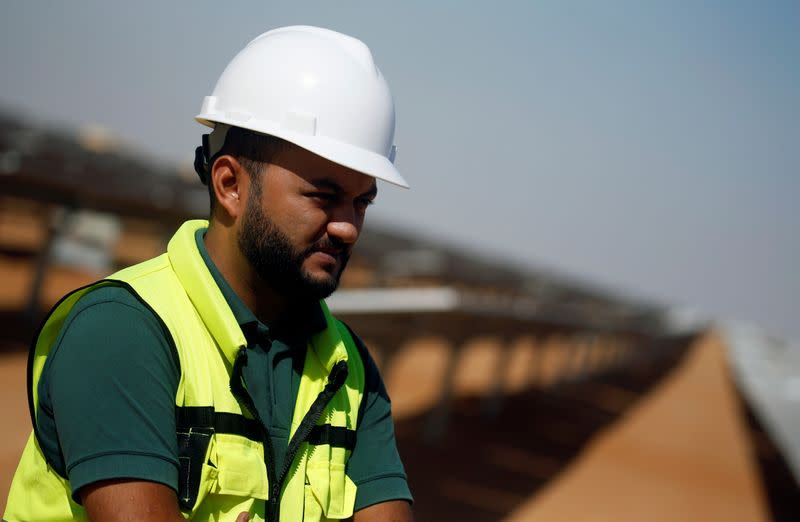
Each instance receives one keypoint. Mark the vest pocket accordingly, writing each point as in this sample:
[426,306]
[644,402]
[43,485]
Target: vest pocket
[240,467]
[329,492]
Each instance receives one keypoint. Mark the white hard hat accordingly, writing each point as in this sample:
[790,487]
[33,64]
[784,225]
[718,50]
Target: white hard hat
[316,88]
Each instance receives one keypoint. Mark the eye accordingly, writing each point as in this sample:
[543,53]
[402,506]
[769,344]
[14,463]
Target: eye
[326,197]
[361,204]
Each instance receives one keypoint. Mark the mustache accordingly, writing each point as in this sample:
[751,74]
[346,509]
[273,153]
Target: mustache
[326,243]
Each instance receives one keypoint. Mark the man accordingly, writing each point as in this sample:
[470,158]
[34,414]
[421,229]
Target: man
[211,382]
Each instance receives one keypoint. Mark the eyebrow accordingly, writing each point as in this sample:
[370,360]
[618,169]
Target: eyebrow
[327,183]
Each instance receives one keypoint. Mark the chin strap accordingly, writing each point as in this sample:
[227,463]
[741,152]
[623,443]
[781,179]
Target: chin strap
[205,154]
[202,162]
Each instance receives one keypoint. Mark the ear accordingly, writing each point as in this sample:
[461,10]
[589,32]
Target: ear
[230,182]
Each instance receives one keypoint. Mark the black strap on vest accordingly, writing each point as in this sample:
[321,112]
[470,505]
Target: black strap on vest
[193,417]
[220,422]
[336,436]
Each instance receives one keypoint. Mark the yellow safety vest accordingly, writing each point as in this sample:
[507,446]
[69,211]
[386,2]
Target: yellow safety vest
[224,449]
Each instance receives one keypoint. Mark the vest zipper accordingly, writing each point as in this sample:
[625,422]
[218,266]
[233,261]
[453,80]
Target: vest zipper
[335,381]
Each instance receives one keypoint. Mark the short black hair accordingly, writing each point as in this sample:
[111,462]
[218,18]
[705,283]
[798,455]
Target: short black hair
[251,149]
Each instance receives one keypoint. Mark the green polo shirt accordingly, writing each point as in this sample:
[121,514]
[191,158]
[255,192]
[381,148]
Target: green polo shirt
[107,394]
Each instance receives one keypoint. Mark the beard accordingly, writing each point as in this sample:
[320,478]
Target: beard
[271,254]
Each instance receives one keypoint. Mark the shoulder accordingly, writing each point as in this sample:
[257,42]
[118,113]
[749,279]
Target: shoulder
[111,294]
[115,320]
[113,311]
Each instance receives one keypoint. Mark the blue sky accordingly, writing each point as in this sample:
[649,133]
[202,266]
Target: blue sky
[646,147]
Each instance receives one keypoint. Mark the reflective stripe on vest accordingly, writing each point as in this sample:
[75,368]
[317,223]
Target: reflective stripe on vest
[225,452]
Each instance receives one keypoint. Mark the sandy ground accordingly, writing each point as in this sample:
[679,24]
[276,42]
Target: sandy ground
[682,453]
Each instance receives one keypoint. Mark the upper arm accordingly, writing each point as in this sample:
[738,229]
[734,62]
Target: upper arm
[110,386]
[125,500]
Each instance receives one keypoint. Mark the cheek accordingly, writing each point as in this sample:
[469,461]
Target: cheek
[307,222]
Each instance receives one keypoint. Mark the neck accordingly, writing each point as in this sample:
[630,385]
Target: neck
[265,303]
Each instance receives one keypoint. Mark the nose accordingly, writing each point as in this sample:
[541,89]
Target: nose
[344,227]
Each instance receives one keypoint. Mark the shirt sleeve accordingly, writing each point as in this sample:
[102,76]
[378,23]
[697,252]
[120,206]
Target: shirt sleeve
[111,381]
[375,466]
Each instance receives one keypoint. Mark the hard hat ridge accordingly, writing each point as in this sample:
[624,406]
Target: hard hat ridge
[358,50]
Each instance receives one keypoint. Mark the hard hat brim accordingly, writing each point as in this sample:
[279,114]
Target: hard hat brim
[355,158]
